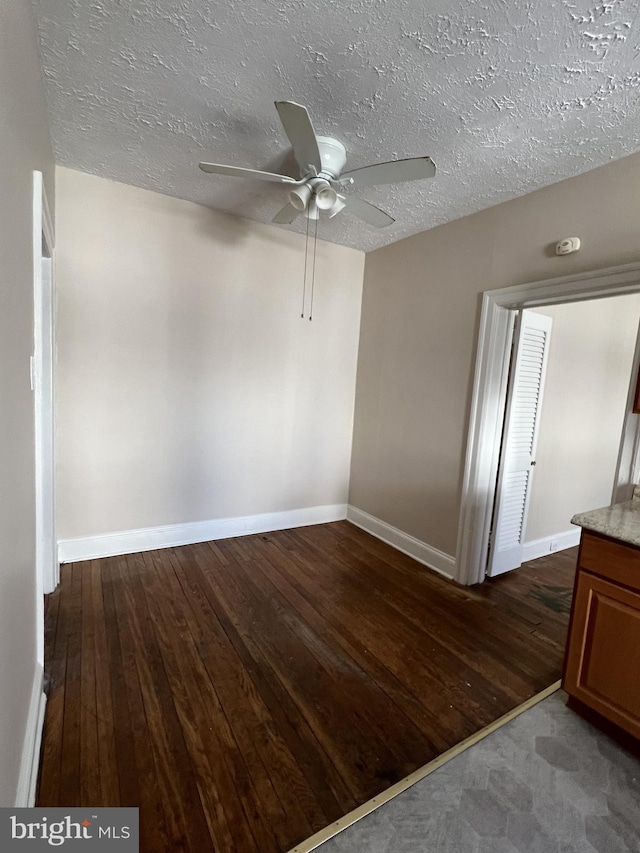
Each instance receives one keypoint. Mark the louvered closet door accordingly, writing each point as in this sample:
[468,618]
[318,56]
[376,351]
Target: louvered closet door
[517,459]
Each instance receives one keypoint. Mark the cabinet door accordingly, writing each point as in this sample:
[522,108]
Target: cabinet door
[603,655]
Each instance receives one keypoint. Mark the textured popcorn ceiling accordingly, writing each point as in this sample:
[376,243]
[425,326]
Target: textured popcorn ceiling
[505,95]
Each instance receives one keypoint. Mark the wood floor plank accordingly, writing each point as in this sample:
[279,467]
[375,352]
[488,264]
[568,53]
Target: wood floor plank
[363,632]
[348,687]
[457,625]
[406,654]
[256,731]
[153,834]
[371,702]
[89,768]
[71,776]
[124,735]
[329,784]
[508,636]
[56,664]
[326,622]
[226,789]
[184,817]
[350,739]
[105,758]
[246,693]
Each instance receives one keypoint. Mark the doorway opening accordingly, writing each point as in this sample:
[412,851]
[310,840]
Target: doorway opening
[569,381]
[499,310]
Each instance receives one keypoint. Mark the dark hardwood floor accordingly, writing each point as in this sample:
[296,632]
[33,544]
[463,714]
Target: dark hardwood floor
[248,692]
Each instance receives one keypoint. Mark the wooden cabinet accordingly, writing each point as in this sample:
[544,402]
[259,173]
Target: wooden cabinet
[602,662]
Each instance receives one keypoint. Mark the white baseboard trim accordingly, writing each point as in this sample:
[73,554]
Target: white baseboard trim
[30,764]
[440,562]
[550,544]
[172,535]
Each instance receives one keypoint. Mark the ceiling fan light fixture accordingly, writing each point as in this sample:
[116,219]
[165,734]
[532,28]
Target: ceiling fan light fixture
[300,197]
[337,206]
[326,198]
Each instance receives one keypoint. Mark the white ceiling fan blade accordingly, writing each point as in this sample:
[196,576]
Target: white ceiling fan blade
[367,212]
[286,215]
[297,125]
[393,172]
[240,172]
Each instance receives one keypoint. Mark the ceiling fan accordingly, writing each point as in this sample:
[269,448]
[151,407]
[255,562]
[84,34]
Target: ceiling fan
[321,160]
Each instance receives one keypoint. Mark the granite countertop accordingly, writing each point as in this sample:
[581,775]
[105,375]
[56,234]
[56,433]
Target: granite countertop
[619,521]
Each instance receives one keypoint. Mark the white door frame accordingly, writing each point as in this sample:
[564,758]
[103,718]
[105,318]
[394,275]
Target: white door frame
[489,397]
[47,569]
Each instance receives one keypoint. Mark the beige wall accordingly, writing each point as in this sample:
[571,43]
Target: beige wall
[25,146]
[420,317]
[588,373]
[189,388]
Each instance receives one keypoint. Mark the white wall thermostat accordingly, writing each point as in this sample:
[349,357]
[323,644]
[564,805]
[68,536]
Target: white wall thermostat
[568,245]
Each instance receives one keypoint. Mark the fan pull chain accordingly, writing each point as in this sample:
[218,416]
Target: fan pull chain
[304,281]
[313,272]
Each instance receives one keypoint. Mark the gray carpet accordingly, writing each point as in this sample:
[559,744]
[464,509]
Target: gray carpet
[547,782]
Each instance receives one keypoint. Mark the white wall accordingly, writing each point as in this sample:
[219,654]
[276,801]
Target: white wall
[588,374]
[189,387]
[420,317]
[25,146]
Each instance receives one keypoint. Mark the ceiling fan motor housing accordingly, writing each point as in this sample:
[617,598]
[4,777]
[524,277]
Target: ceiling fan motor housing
[333,156]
